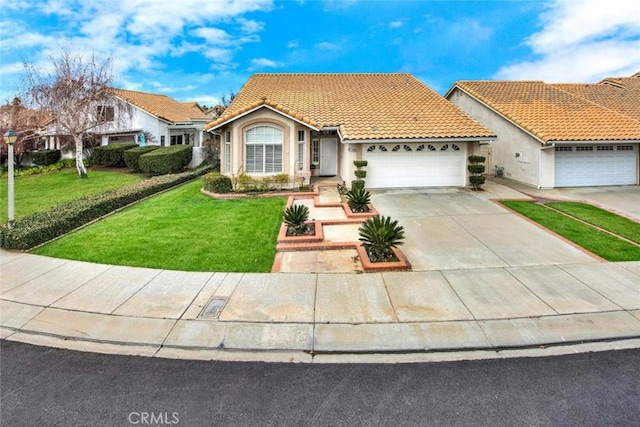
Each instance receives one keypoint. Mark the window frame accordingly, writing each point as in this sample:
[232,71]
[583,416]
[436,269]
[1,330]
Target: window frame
[269,153]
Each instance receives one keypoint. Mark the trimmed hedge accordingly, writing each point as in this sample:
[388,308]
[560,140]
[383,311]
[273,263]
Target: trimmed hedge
[132,156]
[111,155]
[45,157]
[43,226]
[166,160]
[217,183]
[357,183]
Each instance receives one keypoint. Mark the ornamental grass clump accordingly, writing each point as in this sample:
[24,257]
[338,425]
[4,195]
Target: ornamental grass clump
[379,236]
[358,200]
[295,218]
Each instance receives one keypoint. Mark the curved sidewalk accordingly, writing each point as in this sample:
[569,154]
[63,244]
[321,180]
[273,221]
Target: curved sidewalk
[315,317]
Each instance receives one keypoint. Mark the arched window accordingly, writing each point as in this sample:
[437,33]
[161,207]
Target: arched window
[371,148]
[263,150]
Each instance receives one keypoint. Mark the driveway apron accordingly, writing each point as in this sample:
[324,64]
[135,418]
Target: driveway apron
[448,229]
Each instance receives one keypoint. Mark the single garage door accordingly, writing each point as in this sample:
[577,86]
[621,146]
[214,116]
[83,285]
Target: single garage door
[415,165]
[592,165]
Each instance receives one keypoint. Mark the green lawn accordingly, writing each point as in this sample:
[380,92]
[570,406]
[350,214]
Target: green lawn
[604,219]
[181,230]
[38,192]
[600,243]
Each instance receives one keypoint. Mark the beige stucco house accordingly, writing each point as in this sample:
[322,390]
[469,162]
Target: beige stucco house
[315,125]
[558,135]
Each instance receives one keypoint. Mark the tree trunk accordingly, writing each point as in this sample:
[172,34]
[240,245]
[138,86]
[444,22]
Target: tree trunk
[82,171]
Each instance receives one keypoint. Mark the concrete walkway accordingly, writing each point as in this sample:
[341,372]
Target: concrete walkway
[408,316]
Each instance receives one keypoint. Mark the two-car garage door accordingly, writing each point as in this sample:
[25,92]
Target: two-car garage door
[415,165]
[592,165]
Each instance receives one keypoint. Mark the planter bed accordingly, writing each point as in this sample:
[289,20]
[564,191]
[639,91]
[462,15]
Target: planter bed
[401,265]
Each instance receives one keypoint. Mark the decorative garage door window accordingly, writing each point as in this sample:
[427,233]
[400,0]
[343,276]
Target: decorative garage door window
[263,150]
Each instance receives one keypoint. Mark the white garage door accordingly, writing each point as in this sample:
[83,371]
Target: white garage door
[592,165]
[415,165]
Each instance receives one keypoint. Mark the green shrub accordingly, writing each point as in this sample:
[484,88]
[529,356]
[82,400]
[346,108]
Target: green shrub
[132,156]
[476,169]
[217,183]
[360,174]
[357,183]
[477,181]
[379,235]
[358,199]
[281,181]
[45,157]
[295,217]
[247,183]
[111,155]
[165,160]
[38,228]
[360,163]
[477,159]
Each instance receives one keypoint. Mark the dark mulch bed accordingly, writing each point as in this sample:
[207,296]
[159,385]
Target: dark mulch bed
[310,231]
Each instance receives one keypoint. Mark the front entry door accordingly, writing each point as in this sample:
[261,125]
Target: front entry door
[328,157]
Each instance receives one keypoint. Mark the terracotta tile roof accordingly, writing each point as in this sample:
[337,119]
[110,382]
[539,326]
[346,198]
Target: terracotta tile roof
[161,106]
[551,113]
[364,106]
[621,94]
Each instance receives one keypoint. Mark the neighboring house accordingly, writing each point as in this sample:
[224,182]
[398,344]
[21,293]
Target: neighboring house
[313,125]
[164,120]
[558,135]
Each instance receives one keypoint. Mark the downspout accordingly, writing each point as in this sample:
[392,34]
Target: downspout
[545,146]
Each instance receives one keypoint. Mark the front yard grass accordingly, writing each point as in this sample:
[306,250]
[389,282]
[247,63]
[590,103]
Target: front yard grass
[34,193]
[181,229]
[599,217]
[598,242]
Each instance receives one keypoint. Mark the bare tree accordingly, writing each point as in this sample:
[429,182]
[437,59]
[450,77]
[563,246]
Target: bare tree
[25,122]
[77,94]
[217,110]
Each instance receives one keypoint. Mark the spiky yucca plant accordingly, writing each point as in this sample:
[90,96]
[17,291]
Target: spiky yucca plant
[358,199]
[295,217]
[379,235]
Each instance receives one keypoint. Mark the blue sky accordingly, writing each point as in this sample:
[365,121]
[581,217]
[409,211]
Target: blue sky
[200,50]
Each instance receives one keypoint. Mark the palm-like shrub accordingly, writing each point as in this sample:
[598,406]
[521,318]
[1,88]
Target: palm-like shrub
[295,218]
[358,199]
[379,235]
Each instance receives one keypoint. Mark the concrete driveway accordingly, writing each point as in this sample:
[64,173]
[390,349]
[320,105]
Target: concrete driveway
[451,228]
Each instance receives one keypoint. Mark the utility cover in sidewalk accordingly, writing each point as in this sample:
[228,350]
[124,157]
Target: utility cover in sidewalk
[214,307]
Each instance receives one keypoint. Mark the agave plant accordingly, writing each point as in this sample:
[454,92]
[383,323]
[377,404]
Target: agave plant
[295,217]
[379,235]
[358,199]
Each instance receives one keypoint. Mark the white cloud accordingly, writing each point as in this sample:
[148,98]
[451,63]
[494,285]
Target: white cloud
[137,32]
[327,46]
[213,35]
[396,24]
[293,44]
[264,63]
[250,26]
[582,41]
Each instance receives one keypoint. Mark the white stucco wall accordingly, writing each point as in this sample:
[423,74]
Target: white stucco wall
[529,163]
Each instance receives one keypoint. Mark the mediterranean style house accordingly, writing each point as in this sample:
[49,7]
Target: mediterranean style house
[316,125]
[558,135]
